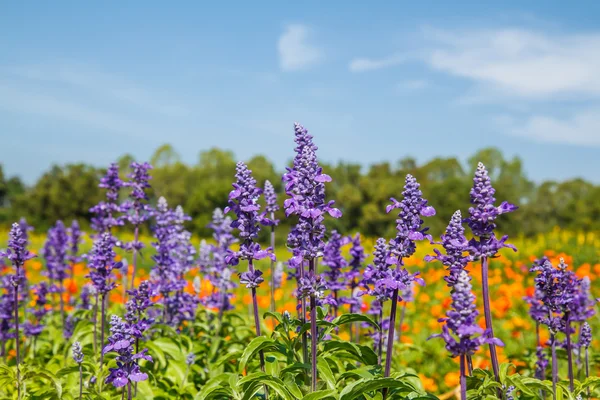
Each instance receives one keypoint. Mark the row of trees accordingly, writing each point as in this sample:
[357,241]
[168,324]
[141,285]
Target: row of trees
[67,192]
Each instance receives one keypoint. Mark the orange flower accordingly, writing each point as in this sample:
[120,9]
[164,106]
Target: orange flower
[452,379]
[428,383]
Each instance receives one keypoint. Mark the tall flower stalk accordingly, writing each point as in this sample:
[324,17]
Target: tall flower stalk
[213,265]
[56,254]
[139,210]
[101,264]
[271,208]
[243,201]
[351,277]
[462,334]
[409,230]
[17,253]
[485,245]
[107,215]
[558,288]
[77,354]
[75,238]
[372,281]
[335,263]
[585,341]
[305,184]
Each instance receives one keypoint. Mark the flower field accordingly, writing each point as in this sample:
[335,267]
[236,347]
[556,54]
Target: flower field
[118,313]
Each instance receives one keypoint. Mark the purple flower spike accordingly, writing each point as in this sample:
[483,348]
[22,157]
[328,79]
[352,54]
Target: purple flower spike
[586,335]
[270,198]
[107,213]
[483,214]
[252,279]
[102,263]
[243,201]
[455,244]
[122,339]
[409,222]
[307,201]
[17,251]
[461,332]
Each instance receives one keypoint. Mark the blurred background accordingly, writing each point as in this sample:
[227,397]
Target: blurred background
[386,89]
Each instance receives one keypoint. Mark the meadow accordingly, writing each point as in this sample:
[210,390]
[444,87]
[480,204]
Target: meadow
[229,317]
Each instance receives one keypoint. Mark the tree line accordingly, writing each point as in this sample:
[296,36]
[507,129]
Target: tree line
[67,192]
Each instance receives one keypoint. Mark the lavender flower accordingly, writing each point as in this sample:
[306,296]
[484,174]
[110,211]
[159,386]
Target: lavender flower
[408,230]
[25,229]
[56,255]
[106,213]
[270,199]
[164,273]
[77,353]
[455,244]
[251,279]
[482,217]
[243,201]
[102,263]
[121,341]
[271,208]
[541,363]
[461,321]
[409,222]
[332,258]
[461,333]
[582,306]
[278,275]
[377,270]
[558,288]
[586,335]
[75,237]
[17,253]
[139,209]
[88,291]
[305,184]
[190,359]
[39,310]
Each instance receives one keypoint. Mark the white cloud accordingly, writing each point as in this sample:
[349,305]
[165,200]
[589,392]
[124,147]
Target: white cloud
[296,52]
[367,64]
[520,62]
[582,128]
[512,62]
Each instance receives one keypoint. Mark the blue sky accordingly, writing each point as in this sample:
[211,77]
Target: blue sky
[84,81]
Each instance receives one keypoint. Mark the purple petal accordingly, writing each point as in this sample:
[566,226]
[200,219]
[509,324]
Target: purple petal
[323,178]
[138,377]
[334,212]
[415,236]
[428,211]
[120,381]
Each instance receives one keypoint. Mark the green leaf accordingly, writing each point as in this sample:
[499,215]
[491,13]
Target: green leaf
[256,345]
[321,394]
[356,389]
[45,375]
[354,351]
[504,369]
[213,385]
[325,373]
[275,315]
[350,318]
[274,383]
[67,371]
